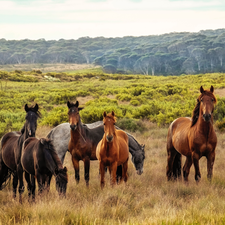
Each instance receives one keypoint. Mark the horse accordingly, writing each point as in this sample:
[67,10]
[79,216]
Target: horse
[60,136]
[10,150]
[193,137]
[39,159]
[91,135]
[112,150]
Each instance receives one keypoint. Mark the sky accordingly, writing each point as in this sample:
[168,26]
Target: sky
[72,19]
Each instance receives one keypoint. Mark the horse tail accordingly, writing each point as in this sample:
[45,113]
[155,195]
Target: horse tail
[5,173]
[177,166]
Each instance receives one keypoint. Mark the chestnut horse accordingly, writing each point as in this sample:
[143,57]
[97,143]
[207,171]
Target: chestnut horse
[39,159]
[112,150]
[193,137]
[10,150]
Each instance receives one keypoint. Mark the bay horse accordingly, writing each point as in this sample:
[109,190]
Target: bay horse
[83,142]
[193,137]
[39,159]
[112,151]
[10,150]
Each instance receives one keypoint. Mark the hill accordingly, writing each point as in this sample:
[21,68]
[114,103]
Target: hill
[167,54]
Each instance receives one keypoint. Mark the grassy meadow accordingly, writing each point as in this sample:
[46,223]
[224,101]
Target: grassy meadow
[144,106]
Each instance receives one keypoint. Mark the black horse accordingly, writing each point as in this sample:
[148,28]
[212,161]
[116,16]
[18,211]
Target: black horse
[10,150]
[39,159]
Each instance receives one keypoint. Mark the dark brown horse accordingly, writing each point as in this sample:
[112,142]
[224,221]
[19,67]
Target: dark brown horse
[10,150]
[83,142]
[193,137]
[112,151]
[39,159]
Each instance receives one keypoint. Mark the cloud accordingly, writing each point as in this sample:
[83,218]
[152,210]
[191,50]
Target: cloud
[55,19]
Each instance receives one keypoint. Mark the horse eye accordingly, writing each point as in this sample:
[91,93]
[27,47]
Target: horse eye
[212,100]
[201,100]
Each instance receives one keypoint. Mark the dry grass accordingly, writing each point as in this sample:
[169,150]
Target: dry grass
[57,67]
[145,199]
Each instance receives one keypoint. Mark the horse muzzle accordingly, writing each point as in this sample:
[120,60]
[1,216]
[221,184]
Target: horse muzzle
[207,117]
[140,171]
[73,127]
[109,138]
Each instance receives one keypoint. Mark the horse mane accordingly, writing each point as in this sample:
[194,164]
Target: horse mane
[195,113]
[53,153]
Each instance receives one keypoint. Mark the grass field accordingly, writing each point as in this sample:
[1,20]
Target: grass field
[145,199]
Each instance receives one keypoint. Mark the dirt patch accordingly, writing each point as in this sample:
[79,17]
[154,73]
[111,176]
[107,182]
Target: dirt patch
[46,67]
[83,100]
[220,92]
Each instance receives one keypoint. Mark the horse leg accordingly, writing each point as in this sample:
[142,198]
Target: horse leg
[15,183]
[33,184]
[20,177]
[113,168]
[102,172]
[196,158]
[171,153]
[125,167]
[119,173]
[186,168]
[210,162]
[86,170]
[29,185]
[76,168]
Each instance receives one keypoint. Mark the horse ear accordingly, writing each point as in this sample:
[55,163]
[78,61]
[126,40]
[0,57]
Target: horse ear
[42,140]
[26,108]
[104,114]
[202,89]
[56,171]
[80,108]
[68,104]
[212,89]
[36,107]
[113,114]
[77,104]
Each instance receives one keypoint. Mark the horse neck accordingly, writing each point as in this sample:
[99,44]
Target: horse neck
[53,161]
[79,133]
[203,126]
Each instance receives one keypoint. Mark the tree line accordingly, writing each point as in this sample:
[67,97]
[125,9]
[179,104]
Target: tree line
[167,54]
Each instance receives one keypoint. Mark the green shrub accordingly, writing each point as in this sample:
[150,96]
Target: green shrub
[131,124]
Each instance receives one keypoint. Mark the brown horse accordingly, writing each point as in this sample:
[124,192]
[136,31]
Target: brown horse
[193,137]
[83,142]
[112,150]
[10,150]
[39,159]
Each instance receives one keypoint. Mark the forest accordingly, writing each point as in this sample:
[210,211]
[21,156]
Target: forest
[167,54]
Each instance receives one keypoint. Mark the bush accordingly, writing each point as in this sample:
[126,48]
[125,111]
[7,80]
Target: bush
[131,124]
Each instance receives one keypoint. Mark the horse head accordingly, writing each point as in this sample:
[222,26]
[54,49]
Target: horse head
[30,125]
[138,159]
[74,116]
[61,180]
[207,101]
[109,125]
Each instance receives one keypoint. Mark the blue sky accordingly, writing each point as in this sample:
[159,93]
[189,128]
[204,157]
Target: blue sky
[72,19]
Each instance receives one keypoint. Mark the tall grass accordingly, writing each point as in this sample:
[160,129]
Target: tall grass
[145,199]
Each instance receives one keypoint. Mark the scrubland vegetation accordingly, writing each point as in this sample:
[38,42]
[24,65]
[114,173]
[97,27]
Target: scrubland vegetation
[144,105]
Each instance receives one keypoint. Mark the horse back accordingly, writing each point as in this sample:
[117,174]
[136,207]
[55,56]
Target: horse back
[28,157]
[8,144]
[178,135]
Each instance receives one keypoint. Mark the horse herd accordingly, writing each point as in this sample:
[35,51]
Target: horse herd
[21,153]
